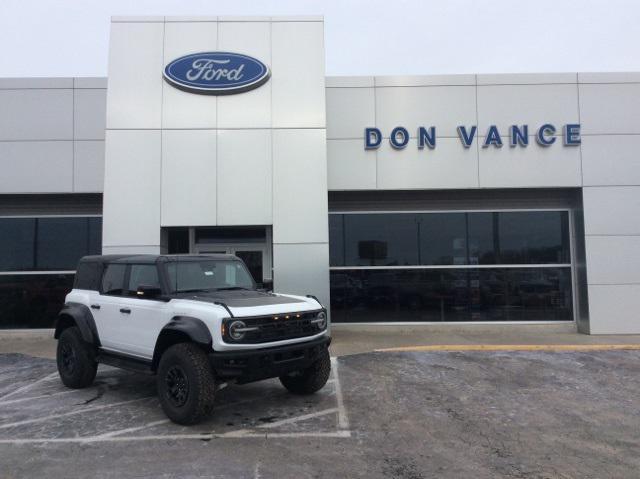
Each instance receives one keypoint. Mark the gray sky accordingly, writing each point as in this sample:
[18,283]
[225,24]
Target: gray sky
[363,37]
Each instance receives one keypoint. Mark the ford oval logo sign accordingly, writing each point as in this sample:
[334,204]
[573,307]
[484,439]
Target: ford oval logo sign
[216,73]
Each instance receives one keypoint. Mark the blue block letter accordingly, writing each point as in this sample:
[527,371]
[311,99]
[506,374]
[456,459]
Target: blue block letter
[393,139]
[493,138]
[372,138]
[519,136]
[427,137]
[544,136]
[467,138]
[572,134]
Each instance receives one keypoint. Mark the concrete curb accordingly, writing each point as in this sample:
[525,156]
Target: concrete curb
[32,334]
[512,347]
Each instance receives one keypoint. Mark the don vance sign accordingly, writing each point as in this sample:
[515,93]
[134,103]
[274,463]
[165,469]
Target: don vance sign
[515,136]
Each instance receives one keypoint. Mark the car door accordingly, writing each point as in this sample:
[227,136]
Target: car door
[142,318]
[105,304]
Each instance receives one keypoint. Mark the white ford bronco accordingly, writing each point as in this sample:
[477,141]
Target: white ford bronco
[194,321]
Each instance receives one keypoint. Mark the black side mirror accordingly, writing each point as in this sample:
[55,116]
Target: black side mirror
[148,292]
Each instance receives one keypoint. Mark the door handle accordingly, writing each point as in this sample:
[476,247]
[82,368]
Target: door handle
[95,306]
[125,310]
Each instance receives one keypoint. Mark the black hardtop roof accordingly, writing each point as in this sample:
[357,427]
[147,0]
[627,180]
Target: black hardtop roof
[152,258]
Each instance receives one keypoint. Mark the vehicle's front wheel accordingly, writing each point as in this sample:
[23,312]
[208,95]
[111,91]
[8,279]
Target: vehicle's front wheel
[76,359]
[309,380]
[186,385]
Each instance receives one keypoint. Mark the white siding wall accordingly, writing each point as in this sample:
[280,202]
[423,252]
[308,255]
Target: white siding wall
[447,101]
[256,158]
[52,135]
[610,106]
[606,165]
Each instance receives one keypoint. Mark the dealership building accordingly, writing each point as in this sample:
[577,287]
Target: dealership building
[443,198]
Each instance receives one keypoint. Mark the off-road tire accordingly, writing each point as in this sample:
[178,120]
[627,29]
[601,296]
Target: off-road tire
[76,359]
[309,380]
[189,360]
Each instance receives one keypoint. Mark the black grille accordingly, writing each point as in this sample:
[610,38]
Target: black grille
[278,327]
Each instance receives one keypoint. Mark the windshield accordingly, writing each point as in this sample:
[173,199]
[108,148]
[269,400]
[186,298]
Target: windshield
[208,275]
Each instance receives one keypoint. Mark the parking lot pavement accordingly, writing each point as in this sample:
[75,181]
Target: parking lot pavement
[400,415]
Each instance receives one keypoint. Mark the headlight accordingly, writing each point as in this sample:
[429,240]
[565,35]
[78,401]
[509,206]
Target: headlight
[321,320]
[237,330]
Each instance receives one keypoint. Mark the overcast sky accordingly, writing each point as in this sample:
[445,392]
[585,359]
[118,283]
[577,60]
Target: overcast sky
[363,37]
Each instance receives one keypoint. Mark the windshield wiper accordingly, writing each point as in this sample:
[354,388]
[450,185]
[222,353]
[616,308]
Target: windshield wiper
[228,288]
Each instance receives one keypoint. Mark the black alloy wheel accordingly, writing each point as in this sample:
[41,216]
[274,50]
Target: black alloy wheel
[186,383]
[68,358]
[177,386]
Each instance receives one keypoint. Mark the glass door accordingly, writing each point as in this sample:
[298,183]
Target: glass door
[254,257]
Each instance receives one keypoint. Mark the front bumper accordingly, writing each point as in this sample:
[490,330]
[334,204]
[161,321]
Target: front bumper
[257,364]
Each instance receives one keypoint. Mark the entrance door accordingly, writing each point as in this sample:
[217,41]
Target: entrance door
[254,256]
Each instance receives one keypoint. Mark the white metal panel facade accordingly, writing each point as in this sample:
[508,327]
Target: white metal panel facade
[52,135]
[606,163]
[206,160]
[609,113]
[269,156]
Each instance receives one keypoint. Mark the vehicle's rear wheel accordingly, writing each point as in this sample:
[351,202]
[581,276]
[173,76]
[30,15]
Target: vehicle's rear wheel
[76,359]
[186,384]
[309,380]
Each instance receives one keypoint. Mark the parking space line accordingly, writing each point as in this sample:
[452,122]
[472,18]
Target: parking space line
[71,413]
[304,417]
[240,433]
[308,434]
[32,398]
[512,347]
[169,437]
[343,421]
[28,386]
[131,429]
[291,420]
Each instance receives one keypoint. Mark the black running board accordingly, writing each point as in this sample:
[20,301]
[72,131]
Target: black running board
[122,361]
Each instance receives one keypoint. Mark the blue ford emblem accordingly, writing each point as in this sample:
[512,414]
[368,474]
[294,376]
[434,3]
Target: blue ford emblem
[216,73]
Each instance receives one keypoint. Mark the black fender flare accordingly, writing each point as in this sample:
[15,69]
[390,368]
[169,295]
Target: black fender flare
[180,326]
[83,319]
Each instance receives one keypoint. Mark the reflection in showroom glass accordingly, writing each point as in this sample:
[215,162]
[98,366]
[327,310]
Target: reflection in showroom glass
[491,294]
[32,301]
[48,243]
[405,239]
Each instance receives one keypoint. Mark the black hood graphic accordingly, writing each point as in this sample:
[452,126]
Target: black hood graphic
[237,298]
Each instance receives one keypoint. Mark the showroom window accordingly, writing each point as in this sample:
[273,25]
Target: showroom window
[452,266]
[38,258]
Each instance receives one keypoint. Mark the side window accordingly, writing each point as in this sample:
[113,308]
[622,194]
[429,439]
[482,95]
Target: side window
[113,279]
[143,274]
[88,275]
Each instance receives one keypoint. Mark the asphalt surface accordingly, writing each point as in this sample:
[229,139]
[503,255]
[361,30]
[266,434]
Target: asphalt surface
[393,415]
